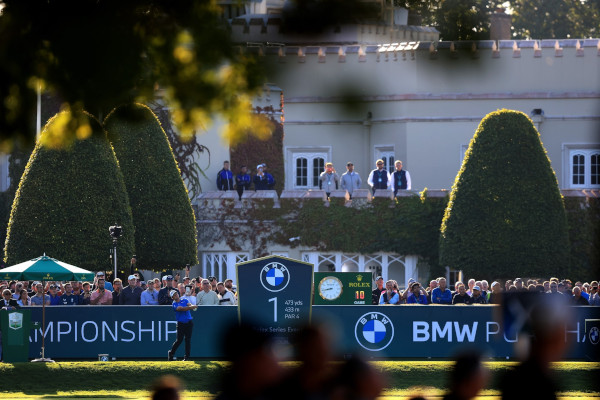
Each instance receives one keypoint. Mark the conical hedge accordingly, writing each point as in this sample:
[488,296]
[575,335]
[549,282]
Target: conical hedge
[67,199]
[506,216]
[165,224]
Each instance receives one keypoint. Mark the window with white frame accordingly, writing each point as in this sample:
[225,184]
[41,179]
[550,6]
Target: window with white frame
[584,168]
[306,166]
[387,154]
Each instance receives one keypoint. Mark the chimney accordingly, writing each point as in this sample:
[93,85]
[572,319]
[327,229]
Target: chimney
[500,23]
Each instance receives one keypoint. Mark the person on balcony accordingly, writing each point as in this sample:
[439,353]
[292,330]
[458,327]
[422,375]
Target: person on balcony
[401,178]
[225,178]
[379,178]
[350,180]
[329,179]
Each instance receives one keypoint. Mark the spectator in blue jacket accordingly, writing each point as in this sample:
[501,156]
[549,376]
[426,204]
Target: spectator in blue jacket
[242,181]
[68,298]
[54,297]
[263,180]
[416,297]
[225,178]
[130,295]
[441,294]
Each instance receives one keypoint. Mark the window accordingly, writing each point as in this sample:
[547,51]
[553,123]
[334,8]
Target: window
[387,154]
[309,177]
[584,168]
[306,165]
[317,168]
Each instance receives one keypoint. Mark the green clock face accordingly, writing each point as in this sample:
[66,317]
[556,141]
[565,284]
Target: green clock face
[330,288]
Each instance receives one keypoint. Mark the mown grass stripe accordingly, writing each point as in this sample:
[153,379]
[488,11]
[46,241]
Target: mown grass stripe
[204,377]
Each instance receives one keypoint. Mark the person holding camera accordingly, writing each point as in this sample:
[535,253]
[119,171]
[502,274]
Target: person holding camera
[389,296]
[101,296]
[415,296]
[263,180]
[329,179]
[189,295]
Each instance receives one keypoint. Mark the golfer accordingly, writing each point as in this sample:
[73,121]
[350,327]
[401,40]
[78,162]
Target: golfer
[182,309]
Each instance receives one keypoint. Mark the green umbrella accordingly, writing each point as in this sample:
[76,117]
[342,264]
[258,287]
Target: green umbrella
[45,269]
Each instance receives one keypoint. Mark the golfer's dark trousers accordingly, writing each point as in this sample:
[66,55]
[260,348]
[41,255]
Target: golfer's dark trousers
[184,329]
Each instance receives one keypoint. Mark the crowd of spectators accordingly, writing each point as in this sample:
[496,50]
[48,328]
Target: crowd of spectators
[481,292]
[209,291]
[198,291]
[329,180]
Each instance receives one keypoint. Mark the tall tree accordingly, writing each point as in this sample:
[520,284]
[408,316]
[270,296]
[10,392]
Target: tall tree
[462,20]
[68,198]
[165,226]
[555,19]
[505,216]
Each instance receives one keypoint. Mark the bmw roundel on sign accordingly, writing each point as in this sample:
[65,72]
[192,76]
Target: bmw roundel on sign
[594,335]
[274,277]
[374,331]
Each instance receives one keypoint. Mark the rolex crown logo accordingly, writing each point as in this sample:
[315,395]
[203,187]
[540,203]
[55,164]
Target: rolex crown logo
[359,278]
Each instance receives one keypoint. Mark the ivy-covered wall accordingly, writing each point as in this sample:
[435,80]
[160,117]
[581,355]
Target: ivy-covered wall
[407,225]
[254,151]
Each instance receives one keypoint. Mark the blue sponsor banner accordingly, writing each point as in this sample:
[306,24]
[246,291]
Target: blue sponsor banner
[83,332]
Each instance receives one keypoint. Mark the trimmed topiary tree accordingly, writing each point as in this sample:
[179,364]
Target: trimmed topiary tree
[506,216]
[67,198]
[165,225]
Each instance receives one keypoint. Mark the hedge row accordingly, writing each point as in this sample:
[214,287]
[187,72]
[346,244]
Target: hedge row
[67,199]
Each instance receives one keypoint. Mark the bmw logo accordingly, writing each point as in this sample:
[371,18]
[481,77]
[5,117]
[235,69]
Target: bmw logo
[594,335]
[274,277]
[374,331]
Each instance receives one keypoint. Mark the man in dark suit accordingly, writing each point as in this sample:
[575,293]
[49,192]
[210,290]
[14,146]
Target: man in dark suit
[7,302]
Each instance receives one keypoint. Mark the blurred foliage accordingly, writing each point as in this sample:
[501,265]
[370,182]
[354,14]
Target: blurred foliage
[129,49]
[165,225]
[125,51]
[187,153]
[506,214]
[68,198]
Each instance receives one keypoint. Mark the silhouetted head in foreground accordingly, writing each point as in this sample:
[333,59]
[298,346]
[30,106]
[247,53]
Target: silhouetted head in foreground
[468,377]
[254,369]
[166,388]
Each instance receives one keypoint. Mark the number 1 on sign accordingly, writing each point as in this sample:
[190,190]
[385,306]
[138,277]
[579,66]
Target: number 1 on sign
[274,300]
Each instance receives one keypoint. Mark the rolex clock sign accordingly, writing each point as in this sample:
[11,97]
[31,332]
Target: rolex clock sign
[342,288]
[274,294]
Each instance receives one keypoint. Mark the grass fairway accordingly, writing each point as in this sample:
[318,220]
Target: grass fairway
[130,379]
